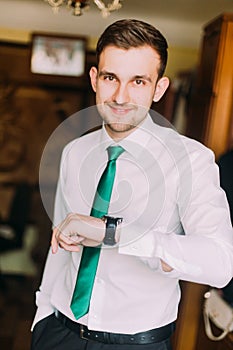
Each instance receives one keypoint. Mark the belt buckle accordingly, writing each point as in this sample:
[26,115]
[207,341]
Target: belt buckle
[82,332]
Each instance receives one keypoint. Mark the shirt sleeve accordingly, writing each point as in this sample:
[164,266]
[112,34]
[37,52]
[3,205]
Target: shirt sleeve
[53,266]
[54,262]
[204,254]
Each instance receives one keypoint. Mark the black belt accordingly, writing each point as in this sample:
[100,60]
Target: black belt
[152,336]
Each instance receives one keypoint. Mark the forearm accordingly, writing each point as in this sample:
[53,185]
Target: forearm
[77,229]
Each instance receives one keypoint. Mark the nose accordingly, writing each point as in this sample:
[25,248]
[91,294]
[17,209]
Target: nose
[121,94]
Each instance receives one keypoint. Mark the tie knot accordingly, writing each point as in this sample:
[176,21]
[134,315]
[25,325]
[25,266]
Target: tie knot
[114,152]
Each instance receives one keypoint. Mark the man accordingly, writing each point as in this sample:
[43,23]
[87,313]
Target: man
[125,233]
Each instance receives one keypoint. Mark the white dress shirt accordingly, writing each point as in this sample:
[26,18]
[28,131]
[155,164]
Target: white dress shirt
[167,191]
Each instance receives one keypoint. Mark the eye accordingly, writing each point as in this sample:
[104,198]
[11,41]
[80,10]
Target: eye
[109,77]
[139,82]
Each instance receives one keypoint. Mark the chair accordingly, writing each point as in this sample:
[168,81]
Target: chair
[16,237]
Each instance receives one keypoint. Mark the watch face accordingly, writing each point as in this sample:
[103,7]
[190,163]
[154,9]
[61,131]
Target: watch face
[111,224]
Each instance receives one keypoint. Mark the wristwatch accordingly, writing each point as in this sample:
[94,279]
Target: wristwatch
[110,231]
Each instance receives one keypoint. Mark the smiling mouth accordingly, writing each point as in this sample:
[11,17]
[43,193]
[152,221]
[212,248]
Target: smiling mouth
[120,110]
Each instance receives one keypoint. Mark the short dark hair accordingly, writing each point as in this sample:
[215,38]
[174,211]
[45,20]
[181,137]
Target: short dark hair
[128,33]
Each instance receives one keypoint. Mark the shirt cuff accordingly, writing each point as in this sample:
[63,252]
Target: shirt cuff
[133,241]
[44,308]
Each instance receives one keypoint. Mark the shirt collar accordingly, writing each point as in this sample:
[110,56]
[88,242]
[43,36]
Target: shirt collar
[135,143]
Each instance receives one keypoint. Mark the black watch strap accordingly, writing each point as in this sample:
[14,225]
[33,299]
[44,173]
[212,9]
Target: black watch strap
[110,231]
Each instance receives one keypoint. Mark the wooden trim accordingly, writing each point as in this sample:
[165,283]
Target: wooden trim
[217,131]
[190,313]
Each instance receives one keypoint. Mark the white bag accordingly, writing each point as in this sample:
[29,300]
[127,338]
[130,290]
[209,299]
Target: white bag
[219,312]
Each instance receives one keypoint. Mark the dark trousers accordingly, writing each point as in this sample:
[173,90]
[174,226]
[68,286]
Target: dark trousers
[51,334]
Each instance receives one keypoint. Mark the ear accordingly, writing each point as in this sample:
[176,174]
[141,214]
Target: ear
[93,75]
[160,88]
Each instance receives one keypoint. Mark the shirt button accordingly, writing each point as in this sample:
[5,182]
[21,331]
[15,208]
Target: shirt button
[100,281]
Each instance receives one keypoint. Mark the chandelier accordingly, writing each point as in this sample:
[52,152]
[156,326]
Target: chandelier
[79,5]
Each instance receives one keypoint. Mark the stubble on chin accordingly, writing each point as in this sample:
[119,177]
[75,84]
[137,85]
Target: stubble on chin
[119,127]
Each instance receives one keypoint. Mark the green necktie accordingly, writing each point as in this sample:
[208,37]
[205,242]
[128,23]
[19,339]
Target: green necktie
[90,256]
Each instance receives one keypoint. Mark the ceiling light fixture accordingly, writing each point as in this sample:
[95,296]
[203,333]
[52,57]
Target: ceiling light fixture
[79,5]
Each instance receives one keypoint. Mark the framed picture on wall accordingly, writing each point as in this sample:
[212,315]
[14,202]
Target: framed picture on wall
[58,55]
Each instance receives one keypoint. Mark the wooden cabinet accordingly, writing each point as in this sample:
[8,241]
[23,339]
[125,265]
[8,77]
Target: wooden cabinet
[211,114]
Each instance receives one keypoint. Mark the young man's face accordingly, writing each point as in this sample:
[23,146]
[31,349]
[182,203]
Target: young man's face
[125,85]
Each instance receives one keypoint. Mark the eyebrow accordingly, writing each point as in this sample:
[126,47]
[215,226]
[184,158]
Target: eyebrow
[143,77]
[104,72]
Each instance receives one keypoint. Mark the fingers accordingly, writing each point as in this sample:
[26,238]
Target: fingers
[74,238]
[70,242]
[54,242]
[77,229]
[165,266]
[70,247]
